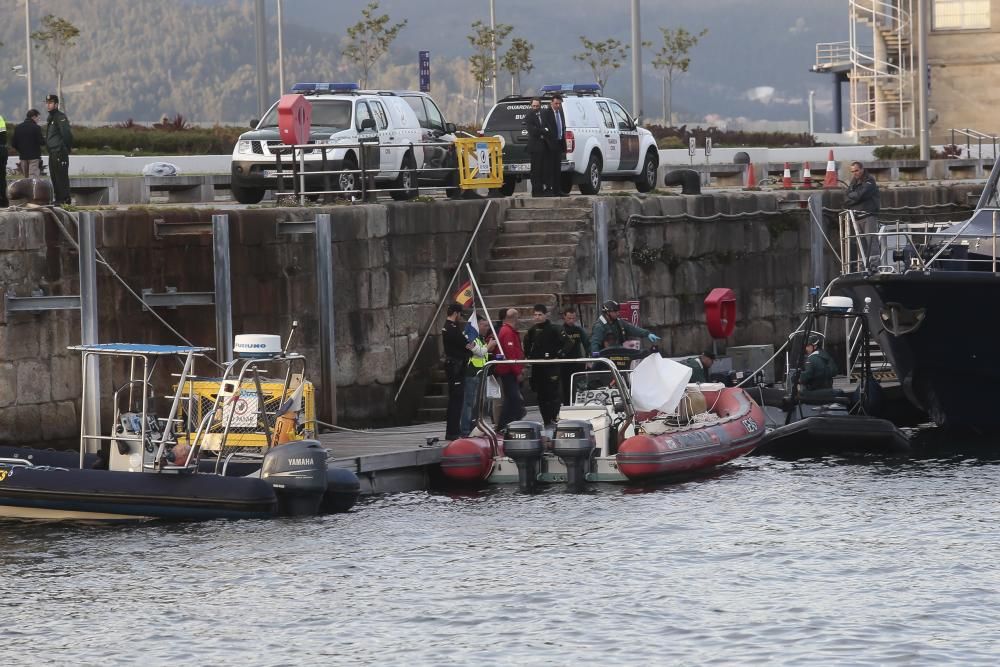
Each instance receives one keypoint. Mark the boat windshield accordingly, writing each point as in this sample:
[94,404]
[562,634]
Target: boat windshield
[596,387]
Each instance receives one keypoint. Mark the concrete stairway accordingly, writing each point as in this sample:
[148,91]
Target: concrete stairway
[528,264]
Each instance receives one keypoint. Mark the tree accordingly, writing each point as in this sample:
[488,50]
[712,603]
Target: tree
[603,58]
[673,58]
[483,67]
[54,41]
[370,39]
[517,60]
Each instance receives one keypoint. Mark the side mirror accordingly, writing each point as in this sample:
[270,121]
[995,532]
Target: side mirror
[253,123]
[449,128]
[367,124]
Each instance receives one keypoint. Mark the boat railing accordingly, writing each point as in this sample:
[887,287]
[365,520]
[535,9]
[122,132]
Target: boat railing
[897,247]
[617,376]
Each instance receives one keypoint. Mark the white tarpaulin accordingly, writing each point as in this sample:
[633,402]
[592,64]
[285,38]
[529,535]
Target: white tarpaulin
[658,384]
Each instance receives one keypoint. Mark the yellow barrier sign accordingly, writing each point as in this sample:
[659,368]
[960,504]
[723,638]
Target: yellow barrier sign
[480,162]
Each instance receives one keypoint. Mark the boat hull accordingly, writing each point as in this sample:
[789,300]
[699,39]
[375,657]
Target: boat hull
[60,494]
[947,362]
[739,429]
[824,434]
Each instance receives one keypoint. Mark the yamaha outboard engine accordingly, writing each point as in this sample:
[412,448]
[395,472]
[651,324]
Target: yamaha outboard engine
[297,471]
[573,442]
[522,442]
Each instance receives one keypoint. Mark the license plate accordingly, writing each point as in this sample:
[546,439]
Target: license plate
[518,167]
[270,173]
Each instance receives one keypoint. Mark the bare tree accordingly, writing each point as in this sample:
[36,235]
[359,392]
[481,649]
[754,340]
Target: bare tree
[673,58]
[517,60]
[483,66]
[603,58]
[370,39]
[54,41]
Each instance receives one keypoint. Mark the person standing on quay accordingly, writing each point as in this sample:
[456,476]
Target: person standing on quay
[864,198]
[543,342]
[536,146]
[510,375]
[554,122]
[59,140]
[28,142]
[575,345]
[456,357]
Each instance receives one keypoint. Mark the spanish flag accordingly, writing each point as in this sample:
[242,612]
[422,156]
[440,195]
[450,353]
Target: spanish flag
[464,294]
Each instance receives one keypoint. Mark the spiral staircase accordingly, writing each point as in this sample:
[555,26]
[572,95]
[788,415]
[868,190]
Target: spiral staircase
[883,75]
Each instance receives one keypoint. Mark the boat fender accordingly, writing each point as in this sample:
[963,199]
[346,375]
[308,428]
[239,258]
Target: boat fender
[574,443]
[298,473]
[522,443]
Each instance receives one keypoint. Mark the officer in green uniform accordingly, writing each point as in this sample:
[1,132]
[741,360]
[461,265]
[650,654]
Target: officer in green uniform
[700,365]
[59,140]
[3,162]
[819,370]
[608,324]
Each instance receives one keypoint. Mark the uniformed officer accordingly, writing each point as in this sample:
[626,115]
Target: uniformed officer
[609,324]
[456,357]
[820,367]
[544,342]
[59,140]
[700,365]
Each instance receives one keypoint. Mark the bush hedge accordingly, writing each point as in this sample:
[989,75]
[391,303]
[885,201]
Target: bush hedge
[134,139]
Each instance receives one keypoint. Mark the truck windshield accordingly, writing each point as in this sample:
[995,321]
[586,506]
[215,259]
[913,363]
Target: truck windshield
[334,114]
[508,116]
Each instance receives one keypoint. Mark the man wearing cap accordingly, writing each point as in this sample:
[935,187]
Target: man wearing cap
[700,365]
[820,368]
[59,140]
[608,324]
[28,142]
[456,357]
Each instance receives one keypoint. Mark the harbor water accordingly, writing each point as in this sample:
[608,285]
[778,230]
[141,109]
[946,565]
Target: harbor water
[825,561]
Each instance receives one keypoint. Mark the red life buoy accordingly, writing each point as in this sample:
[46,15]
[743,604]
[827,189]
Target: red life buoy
[720,312]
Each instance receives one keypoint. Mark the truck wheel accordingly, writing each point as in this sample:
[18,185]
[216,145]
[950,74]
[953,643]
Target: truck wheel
[246,195]
[405,185]
[592,183]
[346,182]
[646,180]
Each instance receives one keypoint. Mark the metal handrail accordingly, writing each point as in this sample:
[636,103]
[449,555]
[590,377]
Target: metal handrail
[971,134]
[831,53]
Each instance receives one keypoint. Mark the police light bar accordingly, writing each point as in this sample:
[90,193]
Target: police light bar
[570,88]
[325,87]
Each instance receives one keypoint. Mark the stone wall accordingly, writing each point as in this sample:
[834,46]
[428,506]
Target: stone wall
[392,264]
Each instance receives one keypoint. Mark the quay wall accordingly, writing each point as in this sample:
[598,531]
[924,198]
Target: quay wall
[392,263]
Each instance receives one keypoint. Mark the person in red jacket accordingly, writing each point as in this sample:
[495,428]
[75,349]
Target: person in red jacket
[510,376]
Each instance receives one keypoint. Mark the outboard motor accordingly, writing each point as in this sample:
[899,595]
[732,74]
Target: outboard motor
[342,490]
[573,442]
[522,442]
[297,472]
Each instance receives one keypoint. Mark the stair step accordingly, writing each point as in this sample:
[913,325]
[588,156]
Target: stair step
[527,263]
[530,276]
[533,251]
[431,415]
[580,202]
[434,403]
[516,226]
[548,214]
[523,301]
[555,287]
[507,240]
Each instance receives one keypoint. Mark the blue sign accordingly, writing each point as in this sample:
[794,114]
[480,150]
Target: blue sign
[425,71]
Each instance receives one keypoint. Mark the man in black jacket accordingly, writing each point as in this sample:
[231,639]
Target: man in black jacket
[543,342]
[3,163]
[863,198]
[575,345]
[456,357]
[28,142]
[536,146]
[554,122]
[59,139]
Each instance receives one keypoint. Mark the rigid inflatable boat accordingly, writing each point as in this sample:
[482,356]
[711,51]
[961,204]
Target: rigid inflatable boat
[603,437]
[232,447]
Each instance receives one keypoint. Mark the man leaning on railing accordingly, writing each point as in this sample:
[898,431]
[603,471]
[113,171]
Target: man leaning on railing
[863,198]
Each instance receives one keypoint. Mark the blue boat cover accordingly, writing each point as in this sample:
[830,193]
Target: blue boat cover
[140,348]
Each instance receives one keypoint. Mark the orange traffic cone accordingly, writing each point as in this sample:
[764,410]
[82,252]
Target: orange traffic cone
[751,177]
[807,179]
[830,179]
[786,179]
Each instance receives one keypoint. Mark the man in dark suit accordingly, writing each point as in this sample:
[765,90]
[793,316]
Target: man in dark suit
[536,146]
[554,122]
